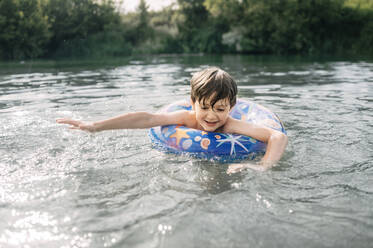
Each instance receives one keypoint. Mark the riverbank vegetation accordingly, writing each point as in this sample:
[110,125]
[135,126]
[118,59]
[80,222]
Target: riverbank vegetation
[92,28]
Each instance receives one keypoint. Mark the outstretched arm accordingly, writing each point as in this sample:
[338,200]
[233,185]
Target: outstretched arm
[130,121]
[276,143]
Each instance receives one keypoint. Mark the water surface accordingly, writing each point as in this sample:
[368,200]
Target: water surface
[66,188]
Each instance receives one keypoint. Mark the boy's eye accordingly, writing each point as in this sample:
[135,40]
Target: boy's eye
[221,110]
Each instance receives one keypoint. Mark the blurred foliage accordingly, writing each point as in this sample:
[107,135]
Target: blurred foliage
[24,29]
[361,4]
[95,28]
[83,28]
[295,26]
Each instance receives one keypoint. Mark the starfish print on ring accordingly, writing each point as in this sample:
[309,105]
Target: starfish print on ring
[179,134]
[233,139]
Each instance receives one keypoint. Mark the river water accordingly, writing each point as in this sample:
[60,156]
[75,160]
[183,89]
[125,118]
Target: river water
[67,188]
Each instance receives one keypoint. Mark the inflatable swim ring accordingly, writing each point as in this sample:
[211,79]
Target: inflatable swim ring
[212,145]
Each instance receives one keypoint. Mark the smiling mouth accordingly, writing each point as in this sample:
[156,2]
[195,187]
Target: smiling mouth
[211,123]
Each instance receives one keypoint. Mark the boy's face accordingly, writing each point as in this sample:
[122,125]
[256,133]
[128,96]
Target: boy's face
[210,119]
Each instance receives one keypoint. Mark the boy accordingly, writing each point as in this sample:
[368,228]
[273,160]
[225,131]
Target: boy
[213,95]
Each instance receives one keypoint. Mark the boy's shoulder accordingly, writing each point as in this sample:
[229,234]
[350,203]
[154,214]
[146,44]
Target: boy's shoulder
[190,118]
[233,125]
[181,117]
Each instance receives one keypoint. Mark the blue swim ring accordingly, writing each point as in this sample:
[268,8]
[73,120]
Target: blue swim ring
[213,145]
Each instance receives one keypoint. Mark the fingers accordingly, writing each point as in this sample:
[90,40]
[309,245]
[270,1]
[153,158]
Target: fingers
[257,167]
[231,171]
[234,168]
[77,125]
[69,122]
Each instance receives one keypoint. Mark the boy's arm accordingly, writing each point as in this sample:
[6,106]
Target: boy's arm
[276,141]
[131,121]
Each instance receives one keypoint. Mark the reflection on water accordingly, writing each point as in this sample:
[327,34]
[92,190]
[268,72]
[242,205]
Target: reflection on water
[65,188]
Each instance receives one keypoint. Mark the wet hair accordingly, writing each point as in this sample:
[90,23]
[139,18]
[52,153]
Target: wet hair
[213,84]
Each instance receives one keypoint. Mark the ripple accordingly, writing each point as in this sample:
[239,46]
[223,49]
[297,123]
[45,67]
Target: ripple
[66,188]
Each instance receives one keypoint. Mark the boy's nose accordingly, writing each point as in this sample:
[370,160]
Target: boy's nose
[211,114]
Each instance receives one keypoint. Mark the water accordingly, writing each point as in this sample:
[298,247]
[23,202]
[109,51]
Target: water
[66,188]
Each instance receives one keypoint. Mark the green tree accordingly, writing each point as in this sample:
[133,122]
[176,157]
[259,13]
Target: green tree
[77,19]
[191,13]
[198,31]
[84,28]
[294,26]
[361,4]
[230,10]
[144,31]
[24,29]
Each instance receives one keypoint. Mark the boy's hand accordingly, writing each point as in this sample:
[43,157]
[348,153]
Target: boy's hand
[234,168]
[78,125]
